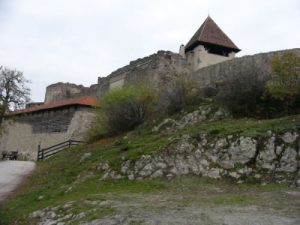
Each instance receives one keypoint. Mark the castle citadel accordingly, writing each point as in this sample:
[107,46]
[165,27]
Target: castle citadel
[208,46]
[67,112]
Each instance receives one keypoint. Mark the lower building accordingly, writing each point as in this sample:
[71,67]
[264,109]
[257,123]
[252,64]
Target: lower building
[46,125]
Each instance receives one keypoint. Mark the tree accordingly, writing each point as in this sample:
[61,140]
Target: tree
[285,82]
[241,94]
[122,109]
[14,92]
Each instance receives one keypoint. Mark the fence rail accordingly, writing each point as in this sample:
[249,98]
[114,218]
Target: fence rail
[50,151]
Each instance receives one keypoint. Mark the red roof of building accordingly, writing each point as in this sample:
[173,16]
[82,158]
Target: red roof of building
[85,101]
[210,33]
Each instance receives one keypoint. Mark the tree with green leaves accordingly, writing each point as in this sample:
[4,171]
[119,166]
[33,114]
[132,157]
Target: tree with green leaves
[14,92]
[122,109]
[285,82]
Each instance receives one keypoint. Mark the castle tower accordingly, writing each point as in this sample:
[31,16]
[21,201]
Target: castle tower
[209,45]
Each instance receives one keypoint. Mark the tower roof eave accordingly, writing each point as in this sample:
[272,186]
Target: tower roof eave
[210,32]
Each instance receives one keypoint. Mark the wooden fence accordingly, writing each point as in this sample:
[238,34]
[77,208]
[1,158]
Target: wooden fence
[50,151]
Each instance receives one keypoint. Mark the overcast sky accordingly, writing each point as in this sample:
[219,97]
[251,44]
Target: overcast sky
[78,40]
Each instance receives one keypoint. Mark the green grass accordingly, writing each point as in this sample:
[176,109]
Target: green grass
[245,127]
[55,176]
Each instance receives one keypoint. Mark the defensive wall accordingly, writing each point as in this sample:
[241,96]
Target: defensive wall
[152,69]
[214,75]
[162,67]
[24,132]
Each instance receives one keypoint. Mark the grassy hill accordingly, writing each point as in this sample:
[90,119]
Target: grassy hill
[69,187]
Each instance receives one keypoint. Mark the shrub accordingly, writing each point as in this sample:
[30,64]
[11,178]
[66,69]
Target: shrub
[285,83]
[177,94]
[242,95]
[122,109]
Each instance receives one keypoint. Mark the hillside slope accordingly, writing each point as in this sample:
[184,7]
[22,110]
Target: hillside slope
[116,180]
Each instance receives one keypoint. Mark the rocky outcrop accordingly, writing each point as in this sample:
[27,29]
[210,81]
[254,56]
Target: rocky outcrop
[64,214]
[203,113]
[270,158]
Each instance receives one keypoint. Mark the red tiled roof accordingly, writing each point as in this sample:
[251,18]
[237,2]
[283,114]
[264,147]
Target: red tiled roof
[86,101]
[211,33]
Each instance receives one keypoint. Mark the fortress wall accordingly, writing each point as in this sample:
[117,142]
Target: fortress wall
[25,133]
[163,66]
[213,75]
[151,69]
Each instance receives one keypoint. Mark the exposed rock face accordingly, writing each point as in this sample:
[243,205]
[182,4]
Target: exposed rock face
[201,114]
[273,158]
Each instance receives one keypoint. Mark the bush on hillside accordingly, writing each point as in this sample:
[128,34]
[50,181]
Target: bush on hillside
[285,83]
[122,109]
[242,95]
[177,94]
[253,93]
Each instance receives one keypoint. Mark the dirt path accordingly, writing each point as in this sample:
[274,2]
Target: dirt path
[12,174]
[185,202]
[276,208]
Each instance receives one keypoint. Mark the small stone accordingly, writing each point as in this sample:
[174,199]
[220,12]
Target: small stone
[41,197]
[289,137]
[214,173]
[79,216]
[257,176]
[161,165]
[67,205]
[167,124]
[158,173]
[85,156]
[37,214]
[230,137]
[269,133]
[170,175]
[67,217]
[234,175]
[69,190]
[131,177]
[51,215]
[105,203]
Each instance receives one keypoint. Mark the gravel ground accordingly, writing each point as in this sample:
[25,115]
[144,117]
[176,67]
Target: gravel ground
[275,208]
[183,205]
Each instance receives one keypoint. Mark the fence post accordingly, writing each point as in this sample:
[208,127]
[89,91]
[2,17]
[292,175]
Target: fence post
[69,143]
[39,150]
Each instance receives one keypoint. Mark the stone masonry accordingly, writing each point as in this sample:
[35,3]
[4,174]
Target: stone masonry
[46,128]
[160,68]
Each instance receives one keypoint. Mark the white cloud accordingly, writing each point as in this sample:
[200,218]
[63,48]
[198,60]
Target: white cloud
[79,40]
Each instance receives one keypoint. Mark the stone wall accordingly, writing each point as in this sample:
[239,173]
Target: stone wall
[214,75]
[164,65]
[47,128]
[151,69]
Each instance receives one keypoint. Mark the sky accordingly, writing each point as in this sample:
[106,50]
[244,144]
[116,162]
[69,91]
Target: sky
[77,41]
